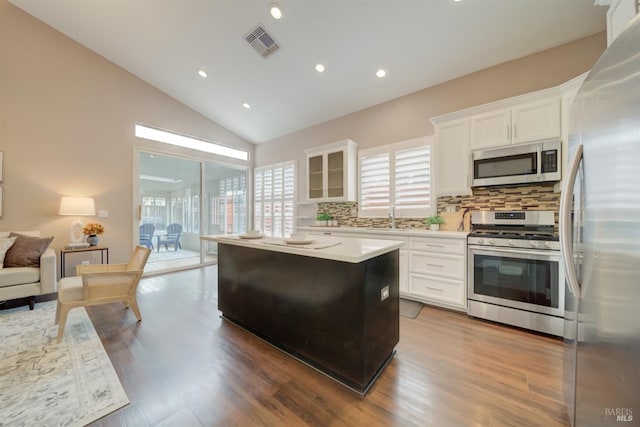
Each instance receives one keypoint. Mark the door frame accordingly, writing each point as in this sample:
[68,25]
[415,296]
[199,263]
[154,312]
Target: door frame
[161,149]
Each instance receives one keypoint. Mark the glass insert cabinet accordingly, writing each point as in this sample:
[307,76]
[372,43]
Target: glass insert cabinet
[331,172]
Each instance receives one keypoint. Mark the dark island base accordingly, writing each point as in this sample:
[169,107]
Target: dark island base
[312,364]
[328,314]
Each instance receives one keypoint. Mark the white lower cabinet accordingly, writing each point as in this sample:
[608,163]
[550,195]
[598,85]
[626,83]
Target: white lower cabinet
[438,271]
[434,264]
[404,272]
[438,290]
[432,270]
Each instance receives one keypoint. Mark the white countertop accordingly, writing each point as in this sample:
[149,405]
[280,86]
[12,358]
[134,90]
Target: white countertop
[346,249]
[419,232]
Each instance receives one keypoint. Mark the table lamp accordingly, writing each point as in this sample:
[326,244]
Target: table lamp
[77,206]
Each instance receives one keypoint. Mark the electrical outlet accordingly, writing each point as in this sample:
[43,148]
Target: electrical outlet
[384,293]
[86,262]
[103,214]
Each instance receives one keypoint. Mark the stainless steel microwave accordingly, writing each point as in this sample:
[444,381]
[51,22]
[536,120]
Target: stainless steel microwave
[527,163]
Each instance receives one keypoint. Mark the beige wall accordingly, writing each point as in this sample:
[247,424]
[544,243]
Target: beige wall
[408,117]
[66,128]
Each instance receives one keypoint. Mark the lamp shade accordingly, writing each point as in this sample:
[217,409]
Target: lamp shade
[77,206]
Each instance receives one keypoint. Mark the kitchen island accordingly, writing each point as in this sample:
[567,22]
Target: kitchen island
[334,304]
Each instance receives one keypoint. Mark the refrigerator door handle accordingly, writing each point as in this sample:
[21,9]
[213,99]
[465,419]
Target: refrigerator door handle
[566,245]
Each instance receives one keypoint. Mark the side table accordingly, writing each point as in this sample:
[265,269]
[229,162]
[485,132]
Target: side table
[104,254]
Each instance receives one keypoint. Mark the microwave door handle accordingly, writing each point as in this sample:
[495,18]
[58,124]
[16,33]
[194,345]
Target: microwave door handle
[566,245]
[539,160]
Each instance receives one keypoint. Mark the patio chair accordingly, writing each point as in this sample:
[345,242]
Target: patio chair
[172,237]
[146,235]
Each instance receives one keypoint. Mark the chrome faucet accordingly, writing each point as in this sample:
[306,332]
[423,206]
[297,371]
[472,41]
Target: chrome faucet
[392,217]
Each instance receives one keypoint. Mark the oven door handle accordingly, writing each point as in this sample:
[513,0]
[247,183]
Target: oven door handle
[566,245]
[530,253]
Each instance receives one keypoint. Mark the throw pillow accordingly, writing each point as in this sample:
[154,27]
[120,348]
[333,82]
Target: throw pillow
[5,244]
[26,251]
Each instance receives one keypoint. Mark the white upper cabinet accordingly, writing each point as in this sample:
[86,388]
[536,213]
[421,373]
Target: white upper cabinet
[452,158]
[525,122]
[491,129]
[619,14]
[331,172]
[536,121]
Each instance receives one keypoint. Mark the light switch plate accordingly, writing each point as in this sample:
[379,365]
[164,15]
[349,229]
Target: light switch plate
[103,214]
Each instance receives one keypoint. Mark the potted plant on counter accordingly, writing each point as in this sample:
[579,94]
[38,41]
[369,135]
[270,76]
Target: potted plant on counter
[322,218]
[434,222]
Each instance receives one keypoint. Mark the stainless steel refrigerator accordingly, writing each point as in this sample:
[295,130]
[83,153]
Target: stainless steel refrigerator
[600,241]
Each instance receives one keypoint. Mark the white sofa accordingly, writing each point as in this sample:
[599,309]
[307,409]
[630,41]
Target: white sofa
[22,282]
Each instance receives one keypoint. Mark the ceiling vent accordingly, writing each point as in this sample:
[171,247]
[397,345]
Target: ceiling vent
[261,41]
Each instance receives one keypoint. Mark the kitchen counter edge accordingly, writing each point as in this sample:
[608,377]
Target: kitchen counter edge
[349,249]
[386,231]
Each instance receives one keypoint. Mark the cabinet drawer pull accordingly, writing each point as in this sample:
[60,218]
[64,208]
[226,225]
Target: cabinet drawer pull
[433,245]
[434,265]
[435,289]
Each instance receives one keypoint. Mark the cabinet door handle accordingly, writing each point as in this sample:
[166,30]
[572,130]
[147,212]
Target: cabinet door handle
[435,289]
[508,133]
[434,265]
[433,245]
[515,130]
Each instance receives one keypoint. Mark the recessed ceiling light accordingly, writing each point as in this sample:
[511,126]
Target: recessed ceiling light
[381,73]
[319,68]
[275,10]
[246,105]
[202,73]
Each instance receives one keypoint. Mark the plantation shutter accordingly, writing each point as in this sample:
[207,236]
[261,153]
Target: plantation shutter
[412,180]
[274,196]
[396,178]
[289,198]
[258,218]
[375,180]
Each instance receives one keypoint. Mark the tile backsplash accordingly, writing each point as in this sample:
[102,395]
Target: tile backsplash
[528,197]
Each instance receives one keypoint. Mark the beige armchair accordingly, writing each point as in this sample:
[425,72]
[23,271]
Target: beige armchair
[101,284]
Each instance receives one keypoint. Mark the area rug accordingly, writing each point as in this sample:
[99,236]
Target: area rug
[46,383]
[410,309]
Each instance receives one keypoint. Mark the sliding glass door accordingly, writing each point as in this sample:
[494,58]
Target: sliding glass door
[180,200]
[226,198]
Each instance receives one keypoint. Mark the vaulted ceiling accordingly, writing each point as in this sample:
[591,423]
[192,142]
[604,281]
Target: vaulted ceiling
[419,43]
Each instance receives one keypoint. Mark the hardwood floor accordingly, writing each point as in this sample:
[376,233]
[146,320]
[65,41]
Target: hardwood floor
[185,366]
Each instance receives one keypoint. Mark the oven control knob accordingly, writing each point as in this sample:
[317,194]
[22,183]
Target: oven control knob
[492,242]
[512,243]
[481,241]
[534,244]
[547,244]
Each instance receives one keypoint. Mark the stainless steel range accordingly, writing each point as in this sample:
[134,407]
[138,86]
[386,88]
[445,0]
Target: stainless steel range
[514,275]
